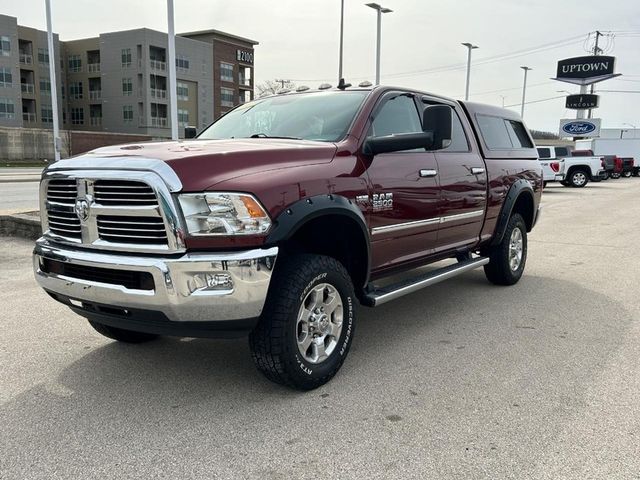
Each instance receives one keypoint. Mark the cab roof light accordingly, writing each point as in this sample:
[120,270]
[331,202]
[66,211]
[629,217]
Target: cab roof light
[324,86]
[302,88]
[365,84]
[283,91]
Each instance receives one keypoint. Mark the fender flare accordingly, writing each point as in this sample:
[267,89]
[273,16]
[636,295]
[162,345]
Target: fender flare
[296,215]
[520,187]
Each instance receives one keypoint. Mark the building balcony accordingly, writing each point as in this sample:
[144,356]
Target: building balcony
[27,88]
[95,94]
[93,67]
[244,82]
[158,65]
[159,121]
[96,121]
[29,117]
[158,93]
[26,58]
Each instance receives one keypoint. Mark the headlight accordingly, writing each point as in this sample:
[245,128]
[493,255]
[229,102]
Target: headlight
[223,214]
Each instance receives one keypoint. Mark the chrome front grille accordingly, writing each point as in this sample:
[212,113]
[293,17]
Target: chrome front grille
[133,230]
[116,210]
[123,192]
[61,198]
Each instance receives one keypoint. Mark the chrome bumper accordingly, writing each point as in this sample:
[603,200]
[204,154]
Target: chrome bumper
[236,288]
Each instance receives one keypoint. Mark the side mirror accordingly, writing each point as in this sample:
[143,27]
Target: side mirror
[436,120]
[190,132]
[397,143]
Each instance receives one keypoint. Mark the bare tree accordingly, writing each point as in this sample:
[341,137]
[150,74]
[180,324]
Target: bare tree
[270,87]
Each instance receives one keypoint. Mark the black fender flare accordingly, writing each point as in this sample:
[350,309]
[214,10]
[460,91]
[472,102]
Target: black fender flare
[296,215]
[519,187]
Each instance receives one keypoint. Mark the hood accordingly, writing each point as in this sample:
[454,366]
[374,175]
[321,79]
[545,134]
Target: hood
[200,164]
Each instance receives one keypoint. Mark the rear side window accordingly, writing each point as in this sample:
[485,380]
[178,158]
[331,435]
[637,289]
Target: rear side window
[398,115]
[495,133]
[544,152]
[562,152]
[503,134]
[519,136]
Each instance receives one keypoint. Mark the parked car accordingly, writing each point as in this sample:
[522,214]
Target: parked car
[284,216]
[618,165]
[574,170]
[551,163]
[628,167]
[622,147]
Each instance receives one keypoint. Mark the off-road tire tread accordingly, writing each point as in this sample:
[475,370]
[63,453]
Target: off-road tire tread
[498,270]
[268,341]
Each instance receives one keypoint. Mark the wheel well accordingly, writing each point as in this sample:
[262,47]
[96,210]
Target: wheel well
[524,206]
[583,168]
[336,236]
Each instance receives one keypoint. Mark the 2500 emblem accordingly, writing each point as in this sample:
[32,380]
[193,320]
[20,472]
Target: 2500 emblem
[378,201]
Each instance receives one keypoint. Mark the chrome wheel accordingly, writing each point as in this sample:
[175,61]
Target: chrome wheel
[516,246]
[319,323]
[579,179]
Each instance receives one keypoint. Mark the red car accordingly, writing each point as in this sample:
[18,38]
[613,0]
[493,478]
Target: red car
[285,216]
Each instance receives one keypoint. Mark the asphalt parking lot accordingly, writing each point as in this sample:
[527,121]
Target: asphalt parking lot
[463,380]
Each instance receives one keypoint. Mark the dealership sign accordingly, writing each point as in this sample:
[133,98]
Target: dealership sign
[586,70]
[582,101]
[580,127]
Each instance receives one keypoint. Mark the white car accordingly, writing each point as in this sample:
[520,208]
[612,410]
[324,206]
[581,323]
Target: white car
[559,166]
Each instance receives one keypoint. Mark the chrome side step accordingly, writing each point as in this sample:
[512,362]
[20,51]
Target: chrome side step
[396,290]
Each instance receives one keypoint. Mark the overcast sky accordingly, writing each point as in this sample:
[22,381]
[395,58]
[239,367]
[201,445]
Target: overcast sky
[299,41]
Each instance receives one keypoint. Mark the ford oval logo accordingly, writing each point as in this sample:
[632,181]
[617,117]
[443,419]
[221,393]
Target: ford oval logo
[578,128]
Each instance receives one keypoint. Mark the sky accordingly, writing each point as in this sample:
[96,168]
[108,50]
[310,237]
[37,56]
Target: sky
[421,43]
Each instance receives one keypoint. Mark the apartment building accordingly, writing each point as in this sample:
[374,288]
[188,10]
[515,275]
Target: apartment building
[117,81]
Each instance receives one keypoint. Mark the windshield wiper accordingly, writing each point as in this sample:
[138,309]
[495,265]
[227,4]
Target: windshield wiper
[264,135]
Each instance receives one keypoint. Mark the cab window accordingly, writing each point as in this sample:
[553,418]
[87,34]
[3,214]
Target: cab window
[397,115]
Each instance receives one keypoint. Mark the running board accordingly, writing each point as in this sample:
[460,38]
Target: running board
[397,290]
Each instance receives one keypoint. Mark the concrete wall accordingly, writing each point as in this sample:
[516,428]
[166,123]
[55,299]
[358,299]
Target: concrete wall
[36,144]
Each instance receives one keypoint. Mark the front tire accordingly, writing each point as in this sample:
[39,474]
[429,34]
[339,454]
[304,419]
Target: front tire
[507,259]
[120,334]
[307,326]
[578,178]
[626,174]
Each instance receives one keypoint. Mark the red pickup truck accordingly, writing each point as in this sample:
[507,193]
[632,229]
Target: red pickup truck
[284,216]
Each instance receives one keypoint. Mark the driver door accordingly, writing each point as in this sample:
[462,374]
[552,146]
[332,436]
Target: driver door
[404,188]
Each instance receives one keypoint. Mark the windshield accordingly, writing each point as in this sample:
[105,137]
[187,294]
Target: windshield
[323,116]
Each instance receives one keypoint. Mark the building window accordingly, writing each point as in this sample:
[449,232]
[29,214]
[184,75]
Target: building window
[158,115]
[7,108]
[43,56]
[226,72]
[183,117]
[47,115]
[182,62]
[62,88]
[77,116]
[126,57]
[5,77]
[75,90]
[75,63]
[5,46]
[127,113]
[226,97]
[183,91]
[127,87]
[45,86]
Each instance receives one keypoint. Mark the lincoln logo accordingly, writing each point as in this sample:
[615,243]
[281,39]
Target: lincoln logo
[82,209]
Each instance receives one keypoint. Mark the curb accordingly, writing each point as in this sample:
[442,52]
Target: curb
[20,225]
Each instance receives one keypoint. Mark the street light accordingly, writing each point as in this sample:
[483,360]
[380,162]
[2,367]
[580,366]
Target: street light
[470,47]
[380,9]
[524,89]
[502,97]
[341,38]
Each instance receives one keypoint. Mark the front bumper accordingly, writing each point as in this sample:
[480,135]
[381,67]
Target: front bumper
[179,289]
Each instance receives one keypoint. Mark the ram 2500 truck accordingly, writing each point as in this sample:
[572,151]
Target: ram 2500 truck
[285,216]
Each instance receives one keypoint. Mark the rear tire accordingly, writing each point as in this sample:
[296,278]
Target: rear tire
[615,176]
[507,259]
[605,176]
[626,174]
[306,329]
[578,178]
[122,335]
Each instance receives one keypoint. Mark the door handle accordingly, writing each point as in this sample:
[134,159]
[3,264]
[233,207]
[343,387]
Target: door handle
[428,173]
[477,170]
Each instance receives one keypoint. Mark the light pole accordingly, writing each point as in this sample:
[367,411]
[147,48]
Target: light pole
[341,38]
[524,89]
[470,47]
[54,85]
[380,9]
[172,92]
[502,97]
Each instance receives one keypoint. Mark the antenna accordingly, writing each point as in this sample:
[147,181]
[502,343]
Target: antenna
[342,85]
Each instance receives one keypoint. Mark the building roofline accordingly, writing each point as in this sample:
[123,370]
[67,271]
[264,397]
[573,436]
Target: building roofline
[219,32]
